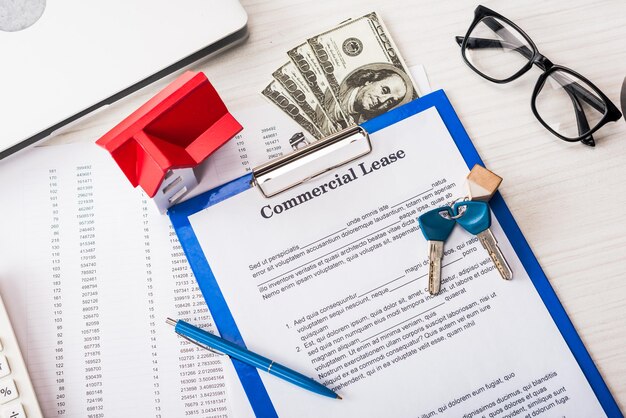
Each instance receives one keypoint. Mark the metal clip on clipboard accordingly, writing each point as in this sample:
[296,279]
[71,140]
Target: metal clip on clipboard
[315,159]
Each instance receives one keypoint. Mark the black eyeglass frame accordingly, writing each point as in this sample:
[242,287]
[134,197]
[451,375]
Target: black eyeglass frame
[611,113]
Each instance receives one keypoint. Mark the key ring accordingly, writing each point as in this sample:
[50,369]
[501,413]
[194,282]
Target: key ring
[451,203]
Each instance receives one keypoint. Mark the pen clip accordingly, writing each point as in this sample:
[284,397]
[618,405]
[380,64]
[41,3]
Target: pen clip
[206,347]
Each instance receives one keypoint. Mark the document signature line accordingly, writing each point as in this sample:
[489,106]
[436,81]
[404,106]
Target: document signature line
[382,285]
[411,198]
[400,323]
[409,282]
[423,275]
[452,262]
[327,236]
[322,256]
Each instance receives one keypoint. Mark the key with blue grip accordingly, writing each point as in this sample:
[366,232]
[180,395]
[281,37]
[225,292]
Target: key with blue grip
[436,225]
[475,218]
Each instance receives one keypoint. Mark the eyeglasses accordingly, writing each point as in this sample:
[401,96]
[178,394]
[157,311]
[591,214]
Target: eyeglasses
[565,102]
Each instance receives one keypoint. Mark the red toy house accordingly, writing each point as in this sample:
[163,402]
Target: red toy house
[158,145]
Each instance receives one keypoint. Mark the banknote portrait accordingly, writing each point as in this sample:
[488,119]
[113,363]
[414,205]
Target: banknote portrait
[374,89]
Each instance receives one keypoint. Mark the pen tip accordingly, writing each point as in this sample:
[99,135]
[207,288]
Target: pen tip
[339,397]
[170,321]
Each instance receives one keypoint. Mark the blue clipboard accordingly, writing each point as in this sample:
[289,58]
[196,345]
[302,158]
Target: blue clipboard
[249,376]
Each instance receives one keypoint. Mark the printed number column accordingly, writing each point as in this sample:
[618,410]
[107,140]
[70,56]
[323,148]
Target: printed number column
[156,390]
[90,331]
[243,152]
[57,293]
[202,385]
[273,149]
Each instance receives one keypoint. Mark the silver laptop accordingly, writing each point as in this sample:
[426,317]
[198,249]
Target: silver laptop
[63,59]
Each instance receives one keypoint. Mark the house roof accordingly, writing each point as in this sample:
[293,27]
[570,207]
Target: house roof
[179,127]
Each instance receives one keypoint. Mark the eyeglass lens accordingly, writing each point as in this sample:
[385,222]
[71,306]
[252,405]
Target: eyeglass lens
[568,105]
[496,49]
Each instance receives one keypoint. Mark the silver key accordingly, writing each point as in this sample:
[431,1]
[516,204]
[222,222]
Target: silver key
[475,218]
[435,254]
[490,243]
[436,229]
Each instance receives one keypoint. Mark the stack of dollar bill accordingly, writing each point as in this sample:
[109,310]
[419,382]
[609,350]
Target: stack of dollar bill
[342,77]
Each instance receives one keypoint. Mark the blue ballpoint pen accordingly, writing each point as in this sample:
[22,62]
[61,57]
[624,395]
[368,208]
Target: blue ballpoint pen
[209,341]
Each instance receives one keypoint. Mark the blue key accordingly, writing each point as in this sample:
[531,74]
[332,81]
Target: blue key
[436,225]
[475,218]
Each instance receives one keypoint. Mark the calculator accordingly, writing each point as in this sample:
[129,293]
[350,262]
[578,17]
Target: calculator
[17,396]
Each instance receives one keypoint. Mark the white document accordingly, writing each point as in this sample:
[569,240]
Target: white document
[330,279]
[89,272]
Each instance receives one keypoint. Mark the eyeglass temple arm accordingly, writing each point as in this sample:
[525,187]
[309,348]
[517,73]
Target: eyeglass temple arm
[575,92]
[581,120]
[623,98]
[475,43]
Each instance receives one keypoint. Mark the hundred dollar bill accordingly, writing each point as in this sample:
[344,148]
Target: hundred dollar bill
[308,66]
[364,68]
[291,79]
[277,94]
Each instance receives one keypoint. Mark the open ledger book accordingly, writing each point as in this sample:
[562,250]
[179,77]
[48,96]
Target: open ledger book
[329,278]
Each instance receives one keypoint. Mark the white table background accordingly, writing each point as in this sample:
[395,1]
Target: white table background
[568,199]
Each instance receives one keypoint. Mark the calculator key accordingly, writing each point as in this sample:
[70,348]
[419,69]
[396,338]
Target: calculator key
[4,366]
[14,411]
[8,391]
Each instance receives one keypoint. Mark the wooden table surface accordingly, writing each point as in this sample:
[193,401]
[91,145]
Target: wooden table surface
[567,198]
